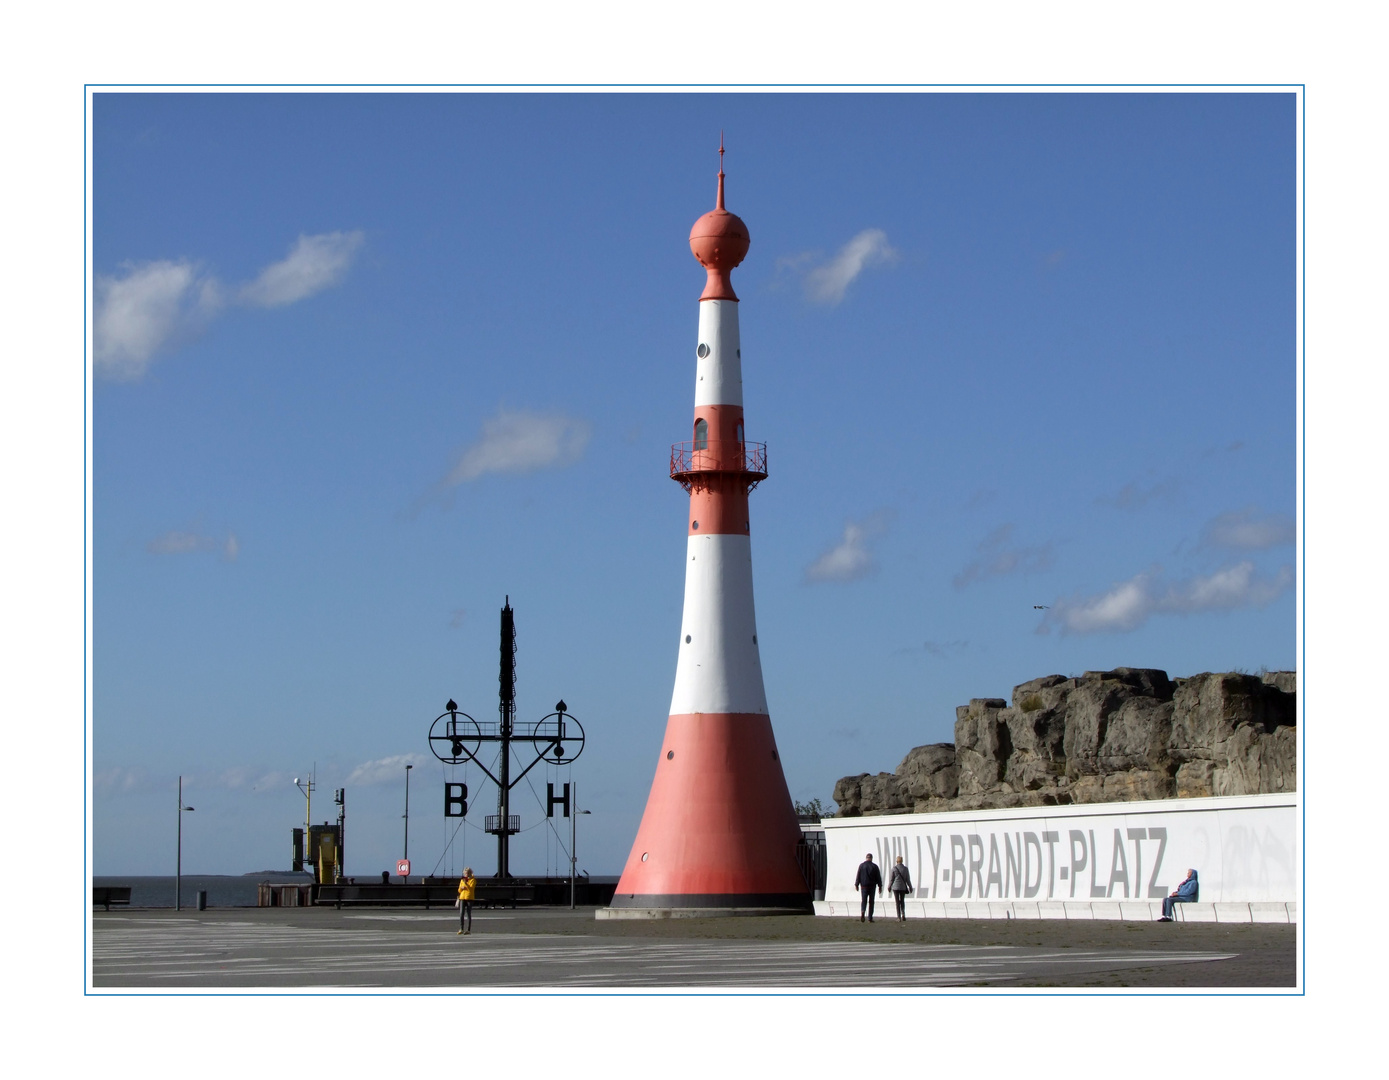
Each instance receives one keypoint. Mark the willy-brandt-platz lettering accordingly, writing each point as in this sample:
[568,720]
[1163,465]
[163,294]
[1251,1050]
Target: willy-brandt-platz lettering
[1011,873]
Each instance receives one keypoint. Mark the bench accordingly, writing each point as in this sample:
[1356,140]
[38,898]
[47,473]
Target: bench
[107,895]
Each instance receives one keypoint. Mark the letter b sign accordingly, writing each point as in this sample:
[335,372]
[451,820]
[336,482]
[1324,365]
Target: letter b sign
[455,800]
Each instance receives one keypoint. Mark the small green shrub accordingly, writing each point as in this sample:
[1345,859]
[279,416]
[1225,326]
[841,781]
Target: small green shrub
[1031,703]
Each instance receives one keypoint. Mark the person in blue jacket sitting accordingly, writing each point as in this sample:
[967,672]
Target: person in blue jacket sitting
[1185,893]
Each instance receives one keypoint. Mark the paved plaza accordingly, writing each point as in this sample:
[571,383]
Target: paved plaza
[159,949]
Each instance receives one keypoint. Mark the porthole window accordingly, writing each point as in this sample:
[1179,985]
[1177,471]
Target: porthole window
[774,757]
[687,639]
[701,439]
[695,526]
[702,351]
[644,855]
[754,639]
[740,354]
[740,433]
[670,755]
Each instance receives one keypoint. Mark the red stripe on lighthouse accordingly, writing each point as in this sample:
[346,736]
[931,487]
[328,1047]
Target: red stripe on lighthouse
[719,504]
[719,829]
[719,500]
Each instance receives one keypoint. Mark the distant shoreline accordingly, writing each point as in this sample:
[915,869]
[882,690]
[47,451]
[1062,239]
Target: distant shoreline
[117,879]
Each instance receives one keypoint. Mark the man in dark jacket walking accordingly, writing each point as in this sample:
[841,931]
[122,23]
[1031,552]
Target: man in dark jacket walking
[867,879]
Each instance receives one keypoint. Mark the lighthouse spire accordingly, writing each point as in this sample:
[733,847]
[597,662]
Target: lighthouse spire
[718,205]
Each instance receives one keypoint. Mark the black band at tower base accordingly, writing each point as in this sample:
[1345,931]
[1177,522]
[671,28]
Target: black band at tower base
[797,901]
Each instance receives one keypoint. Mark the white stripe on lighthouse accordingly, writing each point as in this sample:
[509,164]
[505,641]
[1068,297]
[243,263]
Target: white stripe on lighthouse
[720,668]
[719,375]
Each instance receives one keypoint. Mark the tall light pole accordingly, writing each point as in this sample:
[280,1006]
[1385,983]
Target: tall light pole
[340,797]
[307,789]
[574,812]
[407,812]
[178,858]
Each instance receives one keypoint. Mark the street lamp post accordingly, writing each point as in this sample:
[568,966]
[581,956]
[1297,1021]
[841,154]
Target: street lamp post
[178,858]
[406,856]
[574,813]
[307,789]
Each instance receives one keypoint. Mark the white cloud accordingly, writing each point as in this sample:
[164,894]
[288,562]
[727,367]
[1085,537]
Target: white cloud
[177,542]
[272,782]
[851,558]
[827,284]
[144,309]
[238,778]
[521,442]
[794,264]
[1245,530]
[1126,606]
[117,781]
[149,307]
[1129,604]
[387,770]
[241,777]
[1233,587]
[1134,495]
[313,264]
[185,542]
[997,557]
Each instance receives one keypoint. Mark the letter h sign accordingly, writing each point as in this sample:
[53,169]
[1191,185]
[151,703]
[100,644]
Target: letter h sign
[563,800]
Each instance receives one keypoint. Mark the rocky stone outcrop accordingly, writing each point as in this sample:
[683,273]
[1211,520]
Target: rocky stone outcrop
[1108,736]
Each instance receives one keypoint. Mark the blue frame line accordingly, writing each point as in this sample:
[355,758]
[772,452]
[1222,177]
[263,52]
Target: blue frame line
[1300,89]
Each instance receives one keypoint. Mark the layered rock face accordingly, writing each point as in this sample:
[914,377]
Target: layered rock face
[1108,736]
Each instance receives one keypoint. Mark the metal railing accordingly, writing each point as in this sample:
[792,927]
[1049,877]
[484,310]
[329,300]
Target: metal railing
[813,860]
[688,460]
[493,823]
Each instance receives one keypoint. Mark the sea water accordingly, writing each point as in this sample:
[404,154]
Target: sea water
[223,890]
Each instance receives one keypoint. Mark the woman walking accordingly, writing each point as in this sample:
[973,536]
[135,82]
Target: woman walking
[899,885]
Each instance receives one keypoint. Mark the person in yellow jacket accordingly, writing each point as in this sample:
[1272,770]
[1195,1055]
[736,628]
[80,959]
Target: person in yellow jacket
[467,890]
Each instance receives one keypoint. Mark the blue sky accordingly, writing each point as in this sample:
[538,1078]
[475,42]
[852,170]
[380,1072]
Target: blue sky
[367,363]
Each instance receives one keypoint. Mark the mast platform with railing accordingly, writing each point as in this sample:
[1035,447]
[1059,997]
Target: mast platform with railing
[690,462]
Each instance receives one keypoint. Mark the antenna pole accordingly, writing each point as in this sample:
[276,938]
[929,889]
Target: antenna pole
[507,712]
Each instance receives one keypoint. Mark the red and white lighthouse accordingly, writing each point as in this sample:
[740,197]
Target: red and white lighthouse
[719,830]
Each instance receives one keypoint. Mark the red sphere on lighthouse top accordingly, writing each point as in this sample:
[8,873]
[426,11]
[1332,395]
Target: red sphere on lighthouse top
[719,241]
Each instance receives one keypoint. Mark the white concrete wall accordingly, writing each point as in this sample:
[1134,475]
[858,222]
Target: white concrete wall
[1096,861]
